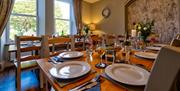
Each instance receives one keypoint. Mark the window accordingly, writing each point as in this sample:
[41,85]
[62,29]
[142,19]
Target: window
[23,20]
[62,16]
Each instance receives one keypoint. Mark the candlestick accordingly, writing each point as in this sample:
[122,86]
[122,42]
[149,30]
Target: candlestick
[133,33]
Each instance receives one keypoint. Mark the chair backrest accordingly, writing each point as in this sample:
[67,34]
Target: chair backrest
[175,42]
[96,39]
[29,46]
[110,39]
[177,36]
[165,70]
[79,42]
[49,45]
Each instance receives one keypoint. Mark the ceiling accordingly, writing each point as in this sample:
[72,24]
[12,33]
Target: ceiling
[91,1]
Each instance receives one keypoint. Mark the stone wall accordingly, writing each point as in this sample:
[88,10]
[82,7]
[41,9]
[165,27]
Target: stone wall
[164,12]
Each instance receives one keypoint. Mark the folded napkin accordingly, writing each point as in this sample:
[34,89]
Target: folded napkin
[57,59]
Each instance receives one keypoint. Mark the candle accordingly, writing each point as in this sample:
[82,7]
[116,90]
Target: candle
[133,33]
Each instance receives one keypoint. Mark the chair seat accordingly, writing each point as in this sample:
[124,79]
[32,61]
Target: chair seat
[27,64]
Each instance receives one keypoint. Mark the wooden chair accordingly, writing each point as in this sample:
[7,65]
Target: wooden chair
[96,39]
[49,45]
[177,36]
[110,39]
[166,71]
[27,62]
[79,42]
[175,42]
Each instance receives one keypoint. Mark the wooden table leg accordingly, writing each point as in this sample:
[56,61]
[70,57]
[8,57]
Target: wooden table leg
[41,80]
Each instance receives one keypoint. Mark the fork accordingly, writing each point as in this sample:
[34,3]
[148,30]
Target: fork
[86,83]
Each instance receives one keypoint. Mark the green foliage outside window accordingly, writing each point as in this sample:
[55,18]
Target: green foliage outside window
[23,19]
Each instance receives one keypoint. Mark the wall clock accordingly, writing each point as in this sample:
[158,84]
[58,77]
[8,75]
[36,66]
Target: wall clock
[106,12]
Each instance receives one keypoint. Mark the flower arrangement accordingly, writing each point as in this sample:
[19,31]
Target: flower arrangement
[86,29]
[145,29]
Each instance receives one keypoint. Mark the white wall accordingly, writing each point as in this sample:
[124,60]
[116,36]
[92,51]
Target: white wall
[46,17]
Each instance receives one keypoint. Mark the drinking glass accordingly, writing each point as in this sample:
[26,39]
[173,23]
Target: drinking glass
[110,56]
[101,51]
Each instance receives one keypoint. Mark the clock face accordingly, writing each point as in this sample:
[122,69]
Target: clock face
[106,12]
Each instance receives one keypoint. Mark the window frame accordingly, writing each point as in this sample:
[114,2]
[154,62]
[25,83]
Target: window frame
[22,15]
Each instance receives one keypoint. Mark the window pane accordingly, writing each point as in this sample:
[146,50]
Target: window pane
[25,7]
[62,25]
[62,10]
[22,25]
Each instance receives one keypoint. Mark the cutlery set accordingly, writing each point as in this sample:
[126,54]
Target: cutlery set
[87,85]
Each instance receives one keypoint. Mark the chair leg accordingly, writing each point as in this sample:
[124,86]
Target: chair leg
[41,79]
[47,85]
[18,79]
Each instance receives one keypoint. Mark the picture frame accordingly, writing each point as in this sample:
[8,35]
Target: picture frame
[106,12]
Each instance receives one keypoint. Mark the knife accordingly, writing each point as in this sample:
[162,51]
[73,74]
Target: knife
[86,83]
[88,86]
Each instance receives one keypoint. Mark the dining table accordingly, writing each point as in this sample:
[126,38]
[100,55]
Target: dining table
[105,85]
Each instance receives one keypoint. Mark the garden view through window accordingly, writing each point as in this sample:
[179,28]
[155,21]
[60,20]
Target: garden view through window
[23,20]
[62,17]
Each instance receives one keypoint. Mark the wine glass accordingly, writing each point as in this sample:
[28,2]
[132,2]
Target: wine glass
[101,51]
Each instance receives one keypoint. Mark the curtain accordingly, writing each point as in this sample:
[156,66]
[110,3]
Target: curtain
[5,11]
[77,7]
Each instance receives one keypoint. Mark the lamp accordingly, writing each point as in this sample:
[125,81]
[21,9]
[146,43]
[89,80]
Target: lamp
[92,26]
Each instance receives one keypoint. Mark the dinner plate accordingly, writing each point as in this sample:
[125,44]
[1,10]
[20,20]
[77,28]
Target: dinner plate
[147,55]
[71,54]
[70,70]
[154,48]
[127,74]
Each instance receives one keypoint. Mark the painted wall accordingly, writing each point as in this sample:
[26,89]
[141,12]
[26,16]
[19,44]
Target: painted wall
[86,13]
[164,12]
[115,23]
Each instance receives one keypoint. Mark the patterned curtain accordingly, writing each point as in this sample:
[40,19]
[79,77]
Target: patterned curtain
[5,11]
[77,5]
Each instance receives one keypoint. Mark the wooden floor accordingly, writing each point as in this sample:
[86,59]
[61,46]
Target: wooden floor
[29,80]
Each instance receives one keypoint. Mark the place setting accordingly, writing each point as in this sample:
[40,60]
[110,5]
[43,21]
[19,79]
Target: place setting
[71,71]
[123,74]
[76,71]
[128,76]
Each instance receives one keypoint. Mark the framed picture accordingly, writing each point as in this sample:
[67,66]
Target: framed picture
[106,12]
